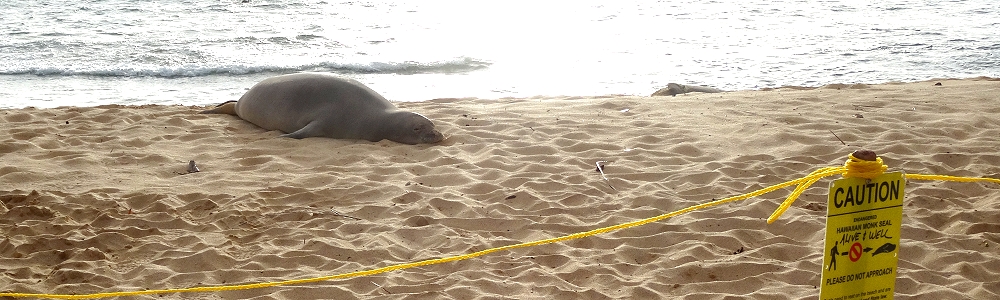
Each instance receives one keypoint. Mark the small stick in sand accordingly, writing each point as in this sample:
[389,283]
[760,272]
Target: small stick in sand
[838,138]
[862,107]
[600,168]
[337,213]
[376,284]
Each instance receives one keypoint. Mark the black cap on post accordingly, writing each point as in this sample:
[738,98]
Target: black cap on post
[867,155]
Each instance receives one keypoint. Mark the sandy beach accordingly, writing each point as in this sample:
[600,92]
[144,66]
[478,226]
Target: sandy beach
[99,199]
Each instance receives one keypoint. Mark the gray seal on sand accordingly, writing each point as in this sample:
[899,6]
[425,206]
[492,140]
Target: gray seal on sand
[673,89]
[323,105]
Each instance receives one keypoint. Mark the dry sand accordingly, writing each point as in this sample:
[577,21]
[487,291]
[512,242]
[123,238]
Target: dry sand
[112,207]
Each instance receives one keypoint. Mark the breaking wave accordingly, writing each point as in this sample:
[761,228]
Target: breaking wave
[459,65]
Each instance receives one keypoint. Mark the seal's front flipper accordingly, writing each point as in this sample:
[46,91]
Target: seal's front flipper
[228,107]
[310,130]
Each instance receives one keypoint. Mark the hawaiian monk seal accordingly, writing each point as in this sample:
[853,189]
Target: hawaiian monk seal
[674,89]
[321,105]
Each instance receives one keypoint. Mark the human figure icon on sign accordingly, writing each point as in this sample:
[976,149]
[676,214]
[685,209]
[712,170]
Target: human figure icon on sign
[833,257]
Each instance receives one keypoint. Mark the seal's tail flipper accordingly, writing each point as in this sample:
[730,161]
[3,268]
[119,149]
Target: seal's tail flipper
[228,107]
[310,130]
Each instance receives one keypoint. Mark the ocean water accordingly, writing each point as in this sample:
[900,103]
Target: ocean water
[93,52]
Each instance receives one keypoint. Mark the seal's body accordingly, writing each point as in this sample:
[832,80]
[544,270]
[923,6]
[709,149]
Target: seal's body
[321,105]
[674,89]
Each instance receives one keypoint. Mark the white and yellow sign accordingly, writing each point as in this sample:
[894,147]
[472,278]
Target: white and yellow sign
[862,238]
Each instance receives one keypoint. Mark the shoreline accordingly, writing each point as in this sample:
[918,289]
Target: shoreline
[115,210]
[135,94]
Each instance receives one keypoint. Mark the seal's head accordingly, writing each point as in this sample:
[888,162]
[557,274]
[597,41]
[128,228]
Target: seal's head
[411,128]
[674,89]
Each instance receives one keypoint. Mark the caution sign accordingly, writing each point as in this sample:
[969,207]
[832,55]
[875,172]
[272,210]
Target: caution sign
[862,238]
